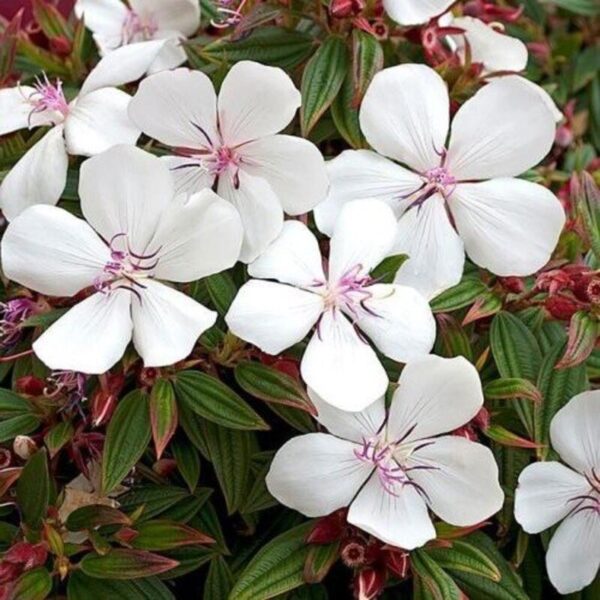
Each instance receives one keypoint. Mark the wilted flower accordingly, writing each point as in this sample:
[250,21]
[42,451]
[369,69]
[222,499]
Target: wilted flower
[143,235]
[392,467]
[550,492]
[339,364]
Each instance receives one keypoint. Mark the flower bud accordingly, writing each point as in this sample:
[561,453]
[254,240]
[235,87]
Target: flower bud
[561,307]
[354,552]
[30,385]
[24,447]
[397,561]
[340,9]
[328,529]
[369,584]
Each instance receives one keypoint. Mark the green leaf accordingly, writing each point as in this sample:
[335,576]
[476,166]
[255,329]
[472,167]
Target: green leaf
[82,587]
[367,60]
[12,404]
[465,557]
[164,534]
[125,564]
[588,8]
[386,270]
[322,80]
[210,398]
[344,113]
[277,568]
[20,425]
[219,580]
[461,295]
[58,436]
[188,462]
[510,388]
[221,290]
[156,499]
[587,206]
[33,490]
[583,332]
[163,414]
[485,305]
[320,559]
[95,515]
[127,436]
[435,581]
[45,319]
[32,585]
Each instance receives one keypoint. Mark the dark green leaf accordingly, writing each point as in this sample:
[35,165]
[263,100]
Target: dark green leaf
[33,489]
[125,564]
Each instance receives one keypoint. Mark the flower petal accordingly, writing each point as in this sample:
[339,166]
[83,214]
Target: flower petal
[460,479]
[172,54]
[198,236]
[415,12]
[39,177]
[362,237]
[188,174]
[509,226]
[543,496]
[52,252]
[575,432]
[495,50]
[573,556]
[399,322]
[436,252]
[405,115]
[179,15]
[436,395]
[294,257]
[342,368]
[98,121]
[401,520]
[177,108]
[353,426]
[502,131]
[105,319]
[15,110]
[316,474]
[104,17]
[166,324]
[125,190]
[292,166]
[362,175]
[546,97]
[255,101]
[273,316]
[259,208]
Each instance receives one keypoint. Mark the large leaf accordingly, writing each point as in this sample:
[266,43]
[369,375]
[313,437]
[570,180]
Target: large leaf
[436,583]
[33,489]
[82,587]
[163,534]
[125,564]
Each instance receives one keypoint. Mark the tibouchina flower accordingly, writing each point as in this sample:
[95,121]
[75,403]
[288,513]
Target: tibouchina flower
[390,469]
[550,492]
[142,235]
[115,24]
[415,12]
[444,206]
[345,305]
[232,141]
[91,123]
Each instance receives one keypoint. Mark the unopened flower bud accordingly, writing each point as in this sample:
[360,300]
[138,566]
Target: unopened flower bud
[397,561]
[340,9]
[354,552]
[561,307]
[30,385]
[328,529]
[24,447]
[369,584]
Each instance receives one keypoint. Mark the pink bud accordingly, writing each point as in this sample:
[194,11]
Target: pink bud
[369,584]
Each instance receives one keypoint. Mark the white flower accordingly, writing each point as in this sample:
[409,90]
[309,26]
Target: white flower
[339,364]
[91,123]
[115,24]
[507,225]
[415,12]
[390,469]
[232,140]
[143,235]
[550,492]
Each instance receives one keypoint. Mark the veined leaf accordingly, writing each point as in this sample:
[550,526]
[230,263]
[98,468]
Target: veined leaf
[125,564]
[33,489]
[163,414]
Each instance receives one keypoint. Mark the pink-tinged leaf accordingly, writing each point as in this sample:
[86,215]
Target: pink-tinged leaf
[486,305]
[163,534]
[96,515]
[8,46]
[319,561]
[512,389]
[507,438]
[51,21]
[587,207]
[8,477]
[126,564]
[583,333]
[163,414]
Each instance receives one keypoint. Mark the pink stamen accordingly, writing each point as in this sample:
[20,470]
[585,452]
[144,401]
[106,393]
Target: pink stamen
[230,16]
[137,28]
[12,314]
[48,97]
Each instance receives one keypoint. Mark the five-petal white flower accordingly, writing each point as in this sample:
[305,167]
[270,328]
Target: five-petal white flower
[390,468]
[91,123]
[339,364]
[115,24]
[232,141]
[144,234]
[550,492]
[507,225]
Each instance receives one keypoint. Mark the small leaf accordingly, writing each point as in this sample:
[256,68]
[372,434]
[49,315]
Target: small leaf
[82,587]
[51,21]
[508,438]
[95,515]
[345,114]
[461,295]
[367,60]
[188,462]
[33,489]
[32,585]
[219,580]
[58,436]
[485,305]
[155,499]
[462,556]
[434,579]
[163,414]
[163,534]
[125,564]
[587,206]
[222,290]
[385,271]
[583,332]
[511,388]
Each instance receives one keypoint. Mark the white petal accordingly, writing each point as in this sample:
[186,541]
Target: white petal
[436,395]
[294,257]
[123,65]
[401,520]
[415,12]
[103,17]
[39,177]
[292,166]
[558,116]
[15,110]
[316,474]
[171,56]
[573,556]
[363,236]
[166,324]
[575,432]
[405,115]
[495,50]
[91,337]
[188,174]
[259,208]
[543,495]
[52,252]
[198,236]
[273,316]
[353,426]
[342,368]
[98,121]
[178,108]
[255,101]
[361,175]
[509,226]
[125,190]
[460,481]
[436,252]
[400,322]
[502,131]
[179,15]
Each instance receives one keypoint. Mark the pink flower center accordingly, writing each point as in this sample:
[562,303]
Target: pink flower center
[137,28]
[48,97]
[442,179]
[221,160]
[12,314]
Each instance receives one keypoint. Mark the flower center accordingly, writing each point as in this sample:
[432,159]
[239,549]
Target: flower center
[125,268]
[591,500]
[220,160]
[12,314]
[441,179]
[137,28]
[48,97]
[349,293]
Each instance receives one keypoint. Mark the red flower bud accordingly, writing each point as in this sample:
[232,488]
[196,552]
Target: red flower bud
[369,584]
[30,385]
[328,529]
[514,285]
[341,9]
[397,561]
[103,405]
[61,46]
[561,307]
